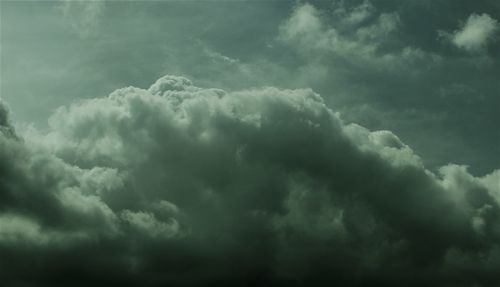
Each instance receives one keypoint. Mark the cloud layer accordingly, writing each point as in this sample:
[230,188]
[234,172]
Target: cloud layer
[181,185]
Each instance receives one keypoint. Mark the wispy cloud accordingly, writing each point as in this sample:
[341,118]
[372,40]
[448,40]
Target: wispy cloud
[83,16]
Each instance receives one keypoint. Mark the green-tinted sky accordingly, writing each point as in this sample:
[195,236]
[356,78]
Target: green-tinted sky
[250,142]
[442,99]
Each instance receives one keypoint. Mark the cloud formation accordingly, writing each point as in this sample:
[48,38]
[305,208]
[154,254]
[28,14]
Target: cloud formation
[381,66]
[186,186]
[359,35]
[475,33]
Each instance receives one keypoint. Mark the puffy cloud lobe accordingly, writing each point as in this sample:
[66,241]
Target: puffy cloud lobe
[5,126]
[146,222]
[183,185]
[475,34]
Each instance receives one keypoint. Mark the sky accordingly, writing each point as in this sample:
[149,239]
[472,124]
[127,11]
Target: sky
[250,143]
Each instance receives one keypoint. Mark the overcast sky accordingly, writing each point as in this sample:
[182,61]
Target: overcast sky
[253,143]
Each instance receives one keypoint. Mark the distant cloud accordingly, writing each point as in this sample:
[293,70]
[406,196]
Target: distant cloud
[359,35]
[475,33]
[182,185]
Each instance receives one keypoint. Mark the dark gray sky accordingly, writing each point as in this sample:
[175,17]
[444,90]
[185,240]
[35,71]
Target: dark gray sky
[301,139]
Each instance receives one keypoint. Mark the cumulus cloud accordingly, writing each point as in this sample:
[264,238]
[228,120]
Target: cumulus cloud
[182,185]
[360,35]
[475,33]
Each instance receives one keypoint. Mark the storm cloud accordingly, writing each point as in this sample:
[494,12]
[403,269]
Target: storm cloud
[249,143]
[178,185]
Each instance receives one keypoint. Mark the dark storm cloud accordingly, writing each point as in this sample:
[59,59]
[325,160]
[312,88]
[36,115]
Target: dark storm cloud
[181,185]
